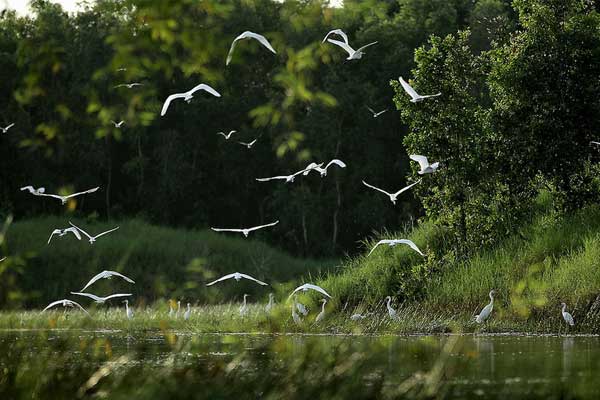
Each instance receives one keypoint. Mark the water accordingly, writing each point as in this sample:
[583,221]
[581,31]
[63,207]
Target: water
[54,364]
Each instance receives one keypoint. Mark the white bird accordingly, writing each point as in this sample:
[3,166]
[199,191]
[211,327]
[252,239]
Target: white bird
[290,178]
[226,136]
[121,69]
[358,317]
[171,310]
[93,238]
[394,242]
[63,232]
[188,312]
[415,97]
[117,124]
[128,311]
[187,96]
[129,85]
[596,143]
[308,286]
[237,276]
[391,312]
[249,35]
[2,259]
[487,310]
[270,304]
[321,315]
[65,303]
[245,231]
[244,307]
[336,32]
[376,113]
[295,315]
[64,199]
[302,309]
[178,309]
[106,275]
[5,129]
[426,168]
[323,171]
[393,196]
[34,191]
[248,145]
[352,54]
[101,300]
[566,316]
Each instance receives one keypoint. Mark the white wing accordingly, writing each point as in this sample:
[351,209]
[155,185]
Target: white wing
[206,88]
[222,279]
[54,232]
[406,188]
[91,296]
[253,279]
[115,273]
[80,193]
[592,142]
[30,189]
[336,32]
[104,233]
[337,162]
[2,259]
[422,160]
[408,89]
[307,286]
[169,100]
[251,35]
[263,226]
[226,230]
[343,45]
[311,167]
[69,302]
[376,188]
[74,231]
[103,274]
[271,178]
[80,230]
[370,109]
[365,46]
[8,127]
[393,242]
[431,95]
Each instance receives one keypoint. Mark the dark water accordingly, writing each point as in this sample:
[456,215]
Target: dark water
[276,365]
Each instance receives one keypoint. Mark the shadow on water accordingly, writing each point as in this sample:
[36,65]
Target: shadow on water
[171,365]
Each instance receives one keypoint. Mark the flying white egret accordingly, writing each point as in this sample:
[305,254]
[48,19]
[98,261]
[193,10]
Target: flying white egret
[187,96]
[426,168]
[487,310]
[323,171]
[249,35]
[270,304]
[34,191]
[245,231]
[415,97]
[63,232]
[129,85]
[121,69]
[391,312]
[336,32]
[393,196]
[566,316]
[394,242]
[64,199]
[117,124]
[226,136]
[290,178]
[237,276]
[596,143]
[106,275]
[308,286]
[352,54]
[128,311]
[321,315]
[6,128]
[248,145]
[188,312]
[99,299]
[244,307]
[65,303]
[295,315]
[93,238]
[376,113]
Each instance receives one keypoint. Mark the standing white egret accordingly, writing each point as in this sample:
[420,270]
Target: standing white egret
[106,275]
[321,315]
[188,312]
[295,315]
[65,303]
[415,97]
[566,316]
[129,85]
[308,286]
[117,124]
[487,310]
[64,199]
[245,231]
[101,300]
[270,304]
[249,35]
[178,309]
[93,238]
[394,242]
[6,128]
[34,191]
[63,232]
[171,310]
[376,113]
[187,96]
[352,54]
[128,311]
[237,276]
[393,196]
[426,168]
[226,135]
[244,307]
[249,144]
[391,312]
[336,32]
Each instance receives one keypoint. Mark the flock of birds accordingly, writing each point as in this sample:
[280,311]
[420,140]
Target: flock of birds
[297,308]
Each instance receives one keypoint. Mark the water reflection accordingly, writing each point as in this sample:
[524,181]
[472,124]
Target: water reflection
[567,356]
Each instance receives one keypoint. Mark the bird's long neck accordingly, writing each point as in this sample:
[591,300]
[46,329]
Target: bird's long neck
[323,306]
[244,301]
[491,298]
[388,302]
[564,307]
